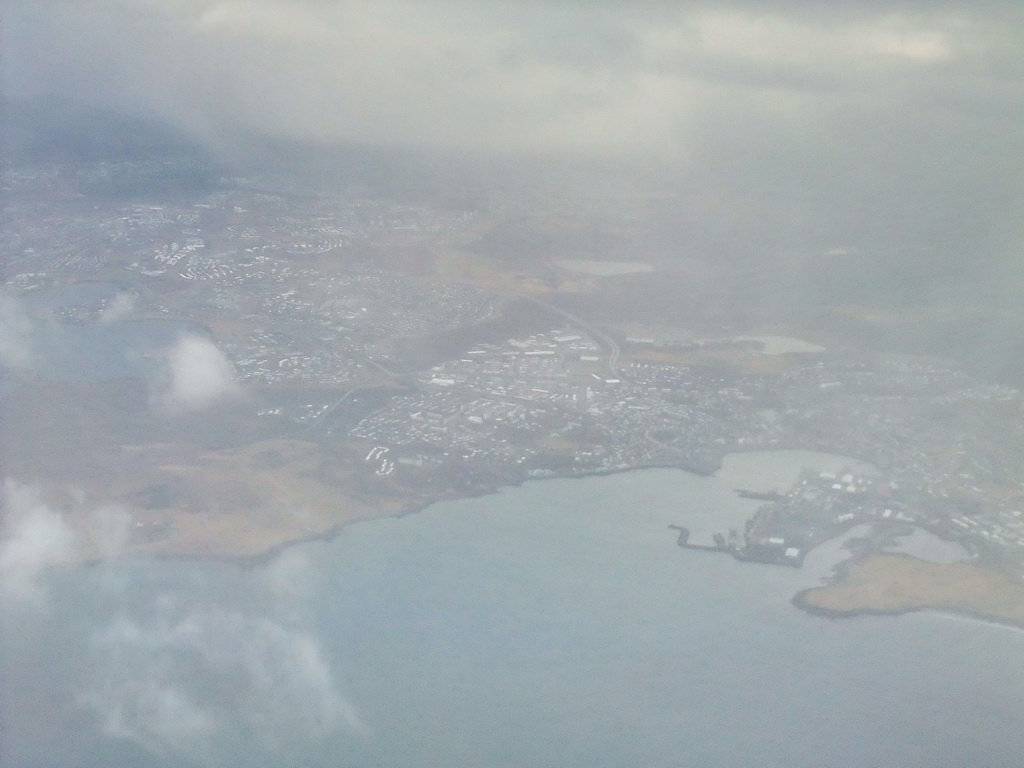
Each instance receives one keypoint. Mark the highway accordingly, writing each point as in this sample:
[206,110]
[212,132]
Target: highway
[321,417]
[604,339]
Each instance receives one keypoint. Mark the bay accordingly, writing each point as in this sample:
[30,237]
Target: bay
[551,624]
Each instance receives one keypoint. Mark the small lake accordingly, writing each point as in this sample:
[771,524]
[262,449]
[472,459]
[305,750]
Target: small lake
[103,351]
[94,352]
[782,345]
[606,268]
[73,295]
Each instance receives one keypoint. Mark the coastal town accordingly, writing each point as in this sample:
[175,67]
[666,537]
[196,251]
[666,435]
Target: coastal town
[345,320]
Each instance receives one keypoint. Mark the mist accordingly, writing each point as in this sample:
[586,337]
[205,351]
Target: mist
[310,310]
[197,375]
[770,128]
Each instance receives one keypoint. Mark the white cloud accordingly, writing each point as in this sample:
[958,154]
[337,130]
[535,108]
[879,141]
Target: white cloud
[198,375]
[617,78]
[201,683]
[289,576]
[15,333]
[36,538]
[118,308]
[107,531]
[777,39]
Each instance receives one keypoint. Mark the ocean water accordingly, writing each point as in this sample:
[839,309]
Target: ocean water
[552,624]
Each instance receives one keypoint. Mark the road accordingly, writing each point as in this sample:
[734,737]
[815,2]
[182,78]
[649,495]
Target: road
[603,338]
[321,417]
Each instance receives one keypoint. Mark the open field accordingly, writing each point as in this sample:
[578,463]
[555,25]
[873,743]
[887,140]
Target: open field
[245,501]
[455,266]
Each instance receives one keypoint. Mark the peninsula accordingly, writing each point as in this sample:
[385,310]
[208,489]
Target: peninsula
[893,584]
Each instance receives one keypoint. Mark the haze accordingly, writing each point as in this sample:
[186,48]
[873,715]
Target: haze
[457,383]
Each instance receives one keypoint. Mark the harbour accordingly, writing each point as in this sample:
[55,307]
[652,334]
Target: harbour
[548,623]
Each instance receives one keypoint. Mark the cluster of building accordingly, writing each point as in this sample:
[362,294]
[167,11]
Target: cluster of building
[446,426]
[548,404]
[169,239]
[317,311]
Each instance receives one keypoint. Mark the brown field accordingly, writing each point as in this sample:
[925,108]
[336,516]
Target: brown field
[454,266]
[245,501]
[897,584]
[756,362]
[461,267]
[741,361]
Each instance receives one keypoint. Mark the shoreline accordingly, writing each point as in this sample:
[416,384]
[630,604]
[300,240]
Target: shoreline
[841,574]
[840,571]
[799,601]
[257,559]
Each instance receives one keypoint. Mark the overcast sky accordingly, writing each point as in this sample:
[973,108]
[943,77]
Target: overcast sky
[656,80]
[907,111]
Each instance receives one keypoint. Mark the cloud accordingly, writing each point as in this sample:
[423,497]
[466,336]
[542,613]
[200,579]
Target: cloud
[888,125]
[612,78]
[197,376]
[207,683]
[15,333]
[289,577]
[37,538]
[107,531]
[118,308]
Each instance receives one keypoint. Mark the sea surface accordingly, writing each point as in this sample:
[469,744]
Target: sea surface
[552,624]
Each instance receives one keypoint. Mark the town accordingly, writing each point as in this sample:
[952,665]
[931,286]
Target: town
[341,313]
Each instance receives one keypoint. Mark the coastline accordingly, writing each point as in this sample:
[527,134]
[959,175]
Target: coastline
[799,601]
[265,556]
[844,572]
[841,572]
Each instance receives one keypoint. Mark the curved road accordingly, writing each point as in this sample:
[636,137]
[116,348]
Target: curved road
[603,338]
[320,418]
